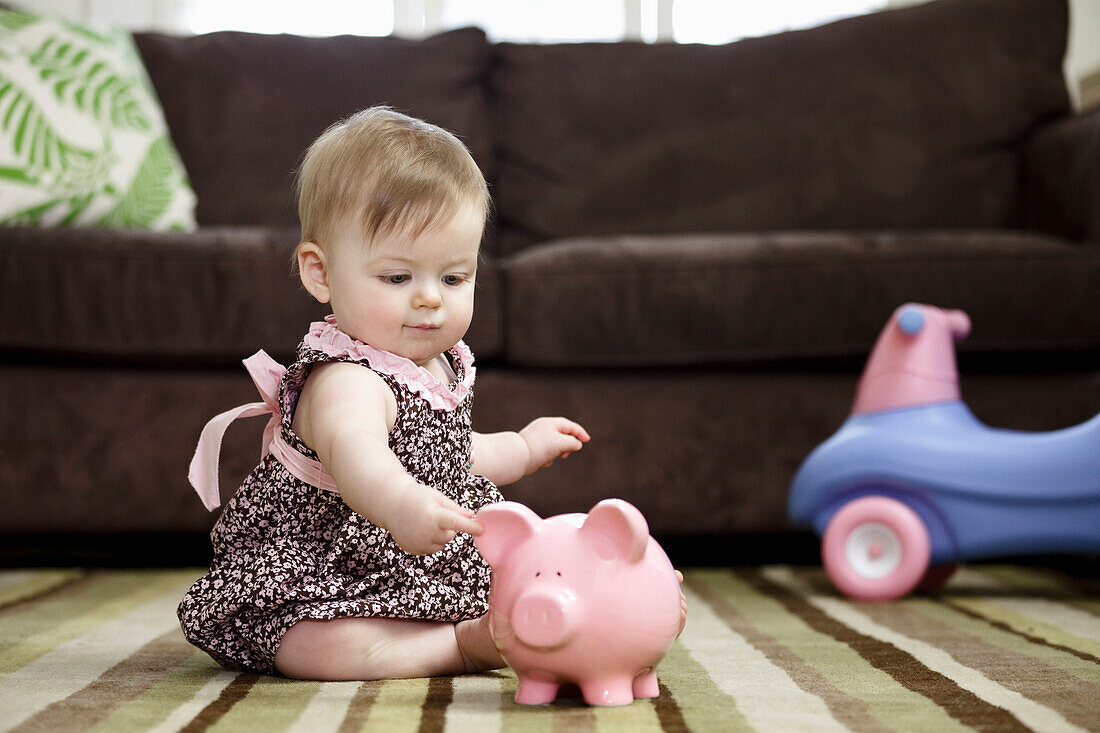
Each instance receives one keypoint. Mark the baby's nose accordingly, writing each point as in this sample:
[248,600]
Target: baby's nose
[427,296]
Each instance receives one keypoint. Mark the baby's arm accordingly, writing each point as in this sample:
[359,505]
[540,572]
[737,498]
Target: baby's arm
[345,413]
[506,457]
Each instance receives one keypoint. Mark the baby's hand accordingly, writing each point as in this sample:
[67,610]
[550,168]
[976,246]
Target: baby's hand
[422,520]
[550,437]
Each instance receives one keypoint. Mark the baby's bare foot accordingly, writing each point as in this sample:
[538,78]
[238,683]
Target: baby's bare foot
[476,646]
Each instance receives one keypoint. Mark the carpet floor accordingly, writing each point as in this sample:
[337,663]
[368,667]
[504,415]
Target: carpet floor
[1002,648]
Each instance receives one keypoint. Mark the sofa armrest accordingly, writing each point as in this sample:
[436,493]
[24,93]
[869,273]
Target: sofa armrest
[1062,178]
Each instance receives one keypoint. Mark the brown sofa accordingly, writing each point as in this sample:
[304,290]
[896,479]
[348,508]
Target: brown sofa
[692,251]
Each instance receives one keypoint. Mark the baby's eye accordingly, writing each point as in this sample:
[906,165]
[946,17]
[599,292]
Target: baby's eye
[395,279]
[454,280]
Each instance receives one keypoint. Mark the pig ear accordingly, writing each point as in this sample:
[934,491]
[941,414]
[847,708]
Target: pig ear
[506,523]
[618,524]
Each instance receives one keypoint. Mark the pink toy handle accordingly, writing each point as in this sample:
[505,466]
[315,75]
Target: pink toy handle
[913,361]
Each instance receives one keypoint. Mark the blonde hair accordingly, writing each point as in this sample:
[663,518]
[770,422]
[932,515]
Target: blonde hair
[386,172]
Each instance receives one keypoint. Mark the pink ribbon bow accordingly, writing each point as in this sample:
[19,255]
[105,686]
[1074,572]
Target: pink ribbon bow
[267,374]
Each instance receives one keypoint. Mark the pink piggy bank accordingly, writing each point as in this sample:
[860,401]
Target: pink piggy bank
[585,599]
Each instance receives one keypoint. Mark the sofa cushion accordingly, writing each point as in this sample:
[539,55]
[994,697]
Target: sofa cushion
[904,118]
[244,107]
[1062,177]
[83,141]
[694,299]
[208,298]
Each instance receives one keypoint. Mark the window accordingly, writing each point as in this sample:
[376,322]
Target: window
[312,18]
[539,20]
[685,21]
[707,21]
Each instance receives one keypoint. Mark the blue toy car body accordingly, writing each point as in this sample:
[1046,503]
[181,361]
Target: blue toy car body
[982,492]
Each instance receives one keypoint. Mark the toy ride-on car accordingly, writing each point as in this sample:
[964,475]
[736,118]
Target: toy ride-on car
[913,483]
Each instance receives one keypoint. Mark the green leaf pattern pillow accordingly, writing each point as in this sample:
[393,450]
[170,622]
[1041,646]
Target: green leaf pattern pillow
[83,141]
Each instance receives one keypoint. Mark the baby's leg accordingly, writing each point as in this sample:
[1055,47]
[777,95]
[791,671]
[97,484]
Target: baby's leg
[382,648]
[475,643]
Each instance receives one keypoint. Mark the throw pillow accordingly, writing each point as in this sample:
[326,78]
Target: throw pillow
[83,141]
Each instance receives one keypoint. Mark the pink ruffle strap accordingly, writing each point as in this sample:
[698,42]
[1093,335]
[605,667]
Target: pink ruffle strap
[266,373]
[326,337]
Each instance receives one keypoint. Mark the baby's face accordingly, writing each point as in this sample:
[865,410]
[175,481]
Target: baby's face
[412,296]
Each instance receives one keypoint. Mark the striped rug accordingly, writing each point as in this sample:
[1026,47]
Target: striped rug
[1004,648]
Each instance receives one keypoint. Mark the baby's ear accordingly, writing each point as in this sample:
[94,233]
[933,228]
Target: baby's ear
[313,270]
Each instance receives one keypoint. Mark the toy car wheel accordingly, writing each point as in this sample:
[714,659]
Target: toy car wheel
[876,549]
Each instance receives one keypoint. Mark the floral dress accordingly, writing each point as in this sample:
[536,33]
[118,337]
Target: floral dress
[286,549]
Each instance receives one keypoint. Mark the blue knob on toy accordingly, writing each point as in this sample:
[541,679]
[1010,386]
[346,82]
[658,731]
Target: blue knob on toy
[911,321]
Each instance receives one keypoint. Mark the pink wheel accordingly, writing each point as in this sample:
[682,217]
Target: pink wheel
[876,549]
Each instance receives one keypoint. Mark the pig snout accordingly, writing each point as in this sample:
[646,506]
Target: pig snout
[545,617]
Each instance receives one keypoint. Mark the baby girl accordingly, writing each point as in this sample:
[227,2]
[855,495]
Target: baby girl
[348,553]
